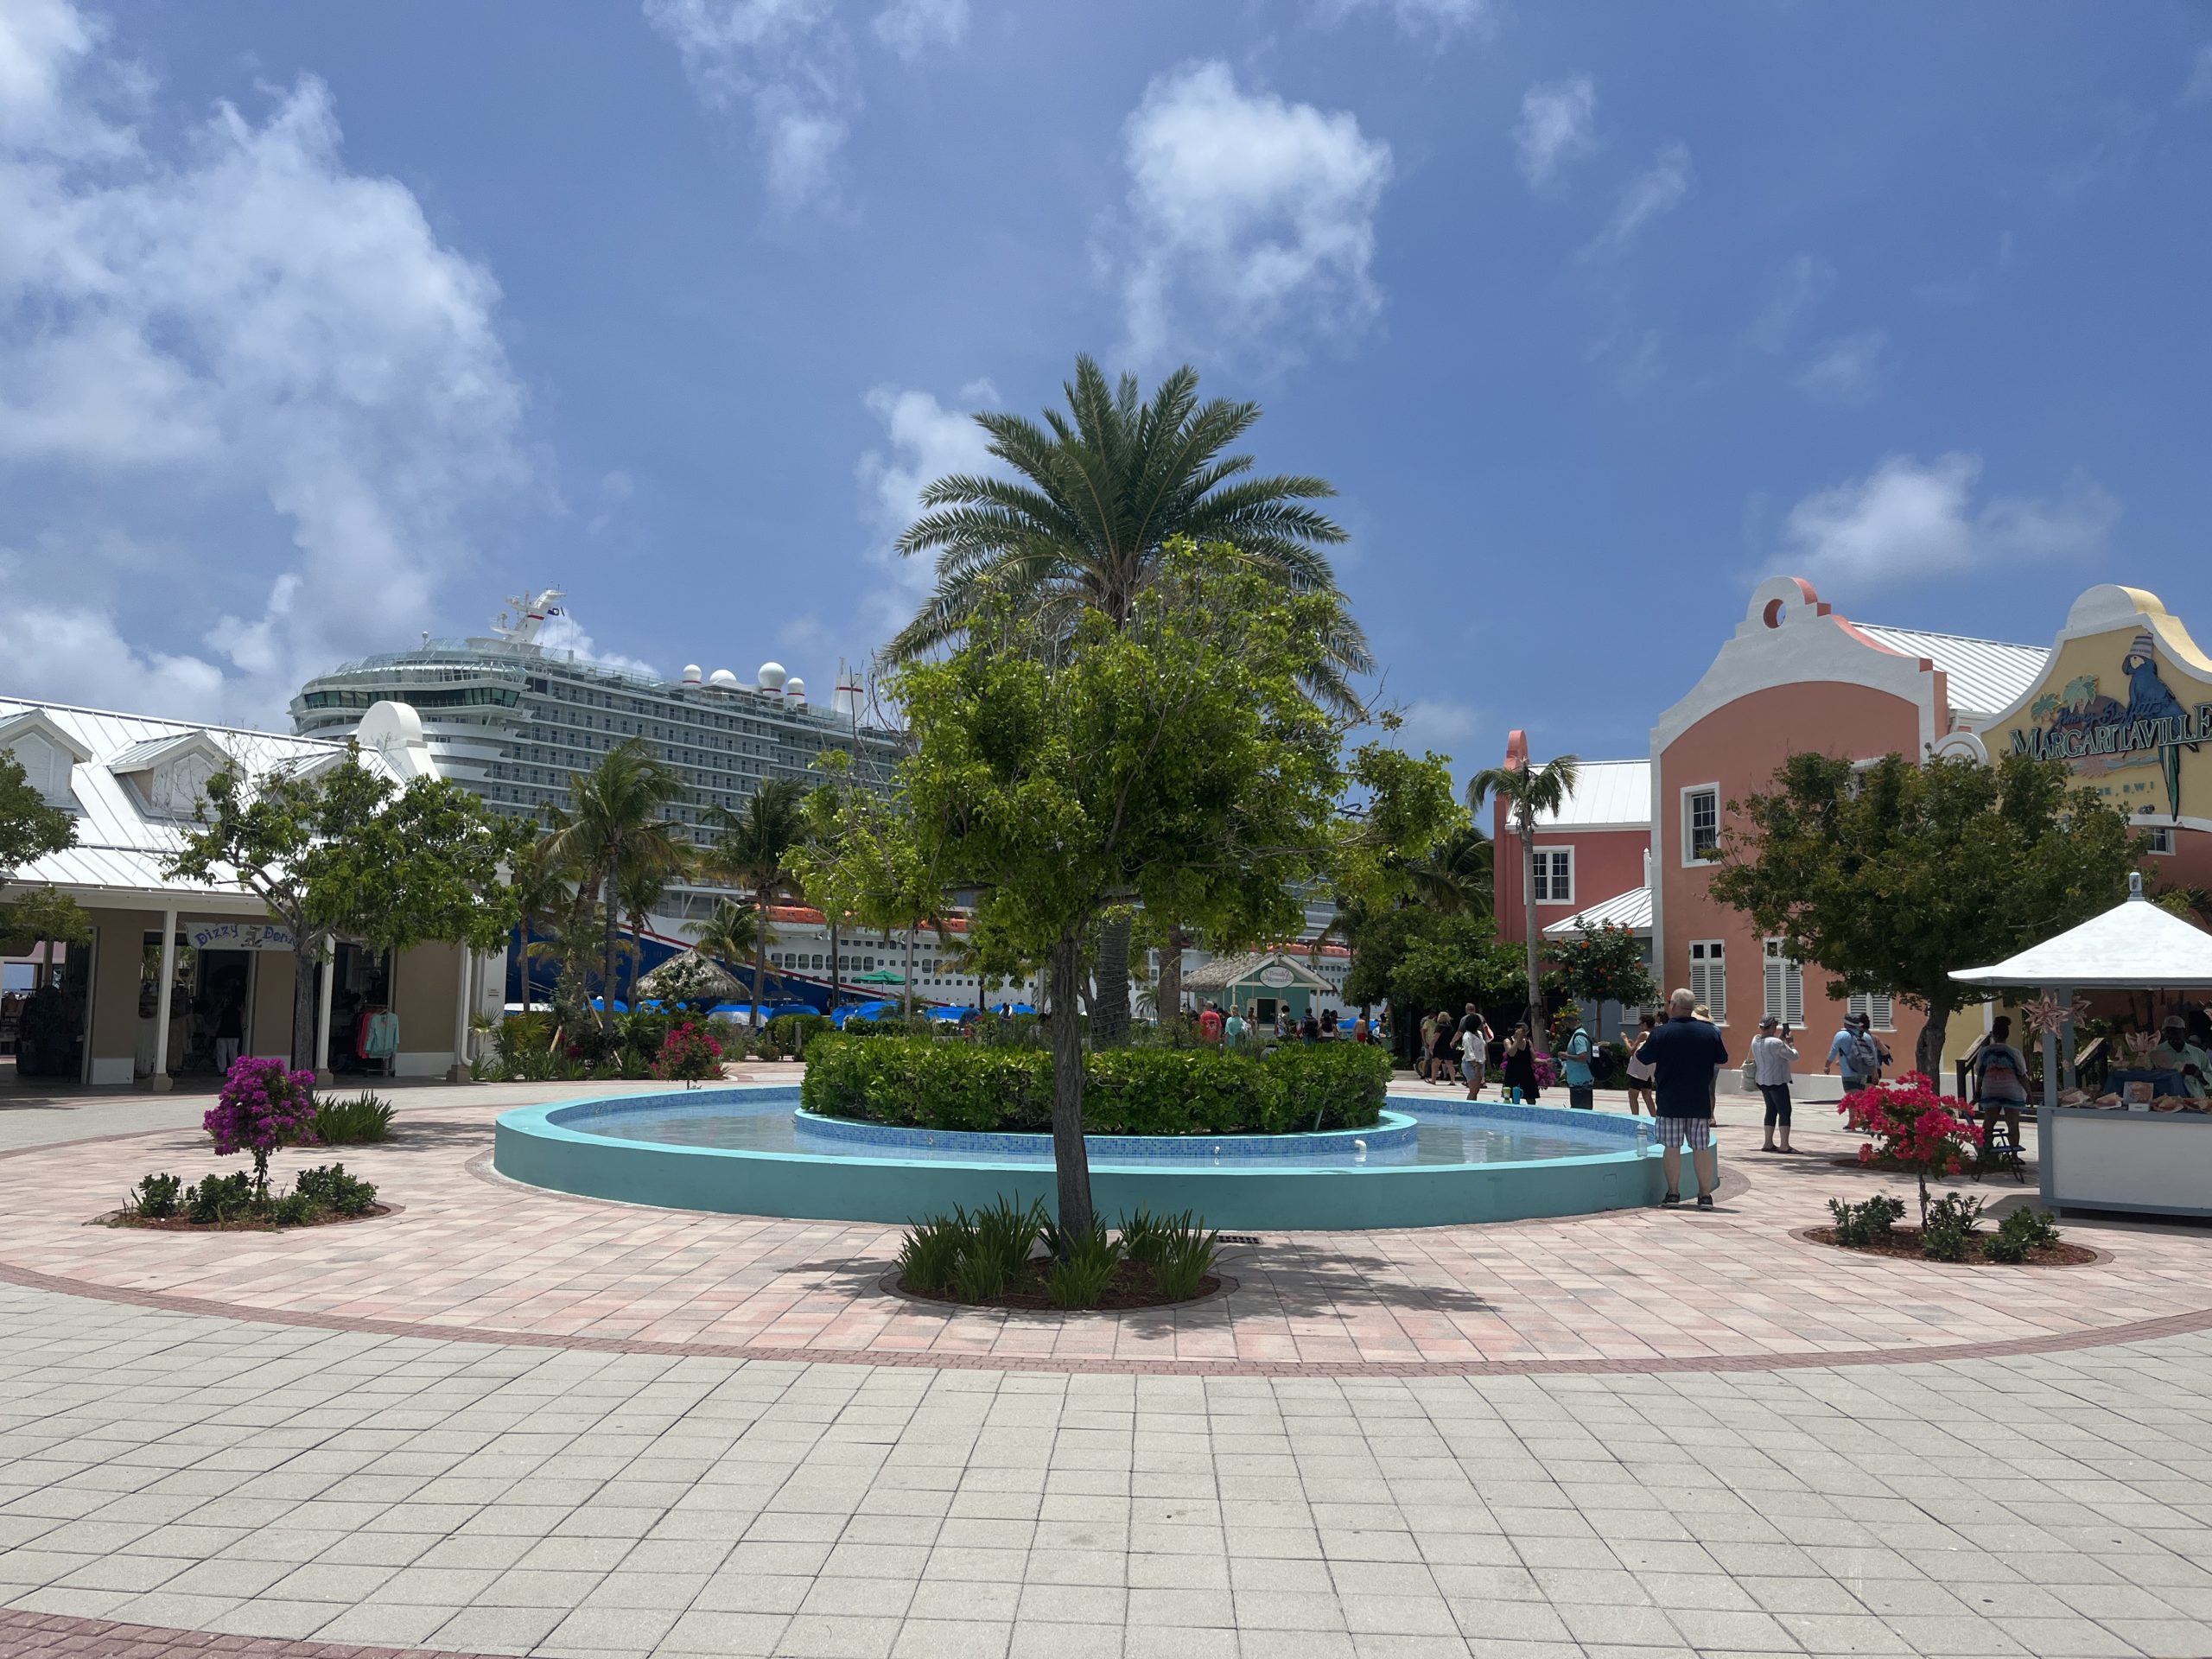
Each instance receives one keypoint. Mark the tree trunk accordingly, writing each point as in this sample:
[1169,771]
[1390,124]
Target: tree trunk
[1110,1001]
[1927,1053]
[1537,1033]
[1071,1157]
[525,965]
[759,965]
[833,964]
[907,1004]
[1167,995]
[303,1005]
[607,976]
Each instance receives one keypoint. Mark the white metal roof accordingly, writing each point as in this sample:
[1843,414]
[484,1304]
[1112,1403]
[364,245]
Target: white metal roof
[1606,793]
[122,846]
[1631,910]
[1984,676]
[2136,946]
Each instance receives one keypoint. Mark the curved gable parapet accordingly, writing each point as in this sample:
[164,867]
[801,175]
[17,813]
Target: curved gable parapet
[1790,636]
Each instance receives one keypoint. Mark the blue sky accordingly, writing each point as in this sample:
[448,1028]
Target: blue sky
[328,325]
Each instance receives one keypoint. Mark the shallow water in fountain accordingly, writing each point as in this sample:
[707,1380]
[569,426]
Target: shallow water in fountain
[763,1121]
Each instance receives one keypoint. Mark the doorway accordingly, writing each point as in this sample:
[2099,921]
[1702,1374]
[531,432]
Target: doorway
[221,1021]
[360,985]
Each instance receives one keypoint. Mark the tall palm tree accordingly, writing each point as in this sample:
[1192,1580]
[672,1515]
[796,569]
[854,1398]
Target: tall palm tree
[543,889]
[1097,493]
[1453,877]
[642,887]
[738,932]
[1530,792]
[752,850]
[615,825]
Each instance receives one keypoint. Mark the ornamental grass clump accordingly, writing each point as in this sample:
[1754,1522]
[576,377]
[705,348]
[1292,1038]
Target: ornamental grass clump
[357,1119]
[930,1254]
[264,1105]
[1184,1257]
[1910,1127]
[1083,1269]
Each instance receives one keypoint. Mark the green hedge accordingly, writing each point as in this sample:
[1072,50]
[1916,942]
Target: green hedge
[918,1082]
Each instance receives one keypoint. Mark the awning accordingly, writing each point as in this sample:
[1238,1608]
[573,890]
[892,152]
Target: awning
[2136,946]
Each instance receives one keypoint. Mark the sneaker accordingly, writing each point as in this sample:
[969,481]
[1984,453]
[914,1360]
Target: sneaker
[1704,1200]
[1671,1200]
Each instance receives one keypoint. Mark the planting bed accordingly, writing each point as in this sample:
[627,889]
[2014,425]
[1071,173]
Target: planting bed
[1905,1242]
[1132,1286]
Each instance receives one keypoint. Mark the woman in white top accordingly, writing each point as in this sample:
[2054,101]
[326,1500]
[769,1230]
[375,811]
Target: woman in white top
[1772,1053]
[1474,1054]
[1640,1095]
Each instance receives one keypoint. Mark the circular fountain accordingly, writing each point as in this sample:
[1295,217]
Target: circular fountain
[751,1150]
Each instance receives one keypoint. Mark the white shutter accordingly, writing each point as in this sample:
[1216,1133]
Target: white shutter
[1709,976]
[1879,1010]
[1785,986]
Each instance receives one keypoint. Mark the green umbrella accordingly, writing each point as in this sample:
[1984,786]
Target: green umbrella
[880,976]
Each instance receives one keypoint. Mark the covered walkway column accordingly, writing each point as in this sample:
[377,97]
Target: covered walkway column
[323,1076]
[464,970]
[159,1081]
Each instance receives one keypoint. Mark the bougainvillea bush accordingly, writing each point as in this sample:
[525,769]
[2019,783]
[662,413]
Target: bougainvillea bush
[263,1105]
[690,1052]
[1910,1127]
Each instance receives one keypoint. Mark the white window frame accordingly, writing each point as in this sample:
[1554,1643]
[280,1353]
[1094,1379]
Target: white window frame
[1784,984]
[1879,1007]
[1544,882]
[1688,855]
[1709,964]
[2162,840]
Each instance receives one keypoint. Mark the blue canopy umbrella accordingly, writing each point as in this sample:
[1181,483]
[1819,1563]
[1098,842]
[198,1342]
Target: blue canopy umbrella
[861,1011]
[1015,1008]
[952,1013]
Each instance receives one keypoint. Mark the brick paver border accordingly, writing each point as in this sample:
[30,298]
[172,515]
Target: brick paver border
[2172,1324]
[34,1636]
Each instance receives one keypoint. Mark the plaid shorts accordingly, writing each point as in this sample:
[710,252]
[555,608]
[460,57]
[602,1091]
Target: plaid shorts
[1695,1133]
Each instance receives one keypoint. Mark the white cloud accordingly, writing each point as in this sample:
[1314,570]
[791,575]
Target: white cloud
[1798,291]
[1848,369]
[1658,189]
[1906,521]
[71,652]
[245,318]
[565,633]
[791,65]
[2200,76]
[1437,21]
[926,441]
[1254,216]
[911,27]
[1558,118]
[1439,723]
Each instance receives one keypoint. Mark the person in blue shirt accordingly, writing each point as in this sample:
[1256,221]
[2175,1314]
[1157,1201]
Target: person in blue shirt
[1855,1053]
[1685,1055]
[1575,1062]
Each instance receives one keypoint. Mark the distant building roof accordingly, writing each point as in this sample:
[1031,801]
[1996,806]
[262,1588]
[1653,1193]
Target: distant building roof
[1984,676]
[1223,972]
[123,840]
[1607,794]
[1631,910]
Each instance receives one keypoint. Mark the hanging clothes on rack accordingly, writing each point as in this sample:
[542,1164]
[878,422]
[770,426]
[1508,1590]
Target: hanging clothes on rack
[379,1035]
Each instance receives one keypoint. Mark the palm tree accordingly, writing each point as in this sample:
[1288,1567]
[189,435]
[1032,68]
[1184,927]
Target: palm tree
[753,851]
[641,888]
[544,890]
[1098,492]
[1453,877]
[1528,794]
[738,932]
[613,826]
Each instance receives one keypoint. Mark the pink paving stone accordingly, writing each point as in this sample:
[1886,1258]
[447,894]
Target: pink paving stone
[474,1255]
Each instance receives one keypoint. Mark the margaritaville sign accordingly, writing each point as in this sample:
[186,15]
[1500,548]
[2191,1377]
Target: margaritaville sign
[2125,699]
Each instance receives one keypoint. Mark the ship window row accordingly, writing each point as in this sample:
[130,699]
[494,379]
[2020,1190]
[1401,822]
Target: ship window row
[501,696]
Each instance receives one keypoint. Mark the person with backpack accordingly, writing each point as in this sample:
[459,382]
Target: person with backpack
[1772,1055]
[1856,1052]
[1574,1067]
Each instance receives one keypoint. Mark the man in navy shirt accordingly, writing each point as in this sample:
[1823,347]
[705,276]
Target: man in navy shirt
[1685,1055]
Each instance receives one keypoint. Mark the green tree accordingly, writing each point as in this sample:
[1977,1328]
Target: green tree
[1890,876]
[544,891]
[1454,961]
[753,851]
[617,824]
[1174,760]
[737,933]
[1603,964]
[1455,876]
[348,853]
[1081,529]
[30,830]
[1529,793]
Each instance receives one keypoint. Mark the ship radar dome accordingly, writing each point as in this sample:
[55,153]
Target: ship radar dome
[690,673]
[794,688]
[723,677]
[772,676]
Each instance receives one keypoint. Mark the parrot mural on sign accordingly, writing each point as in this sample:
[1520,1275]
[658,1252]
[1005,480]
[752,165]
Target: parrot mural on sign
[2149,699]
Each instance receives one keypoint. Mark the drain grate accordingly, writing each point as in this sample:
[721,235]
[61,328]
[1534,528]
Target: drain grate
[1239,1238]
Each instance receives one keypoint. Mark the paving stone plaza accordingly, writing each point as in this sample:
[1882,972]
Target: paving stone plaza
[506,1421]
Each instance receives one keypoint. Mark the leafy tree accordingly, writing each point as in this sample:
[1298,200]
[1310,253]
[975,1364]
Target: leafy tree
[1529,793]
[616,823]
[348,852]
[1082,529]
[1173,761]
[545,892]
[738,932]
[1457,960]
[753,850]
[1892,875]
[1603,964]
[30,830]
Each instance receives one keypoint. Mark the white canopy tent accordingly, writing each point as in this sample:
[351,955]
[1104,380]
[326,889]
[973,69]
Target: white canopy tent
[2102,1160]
